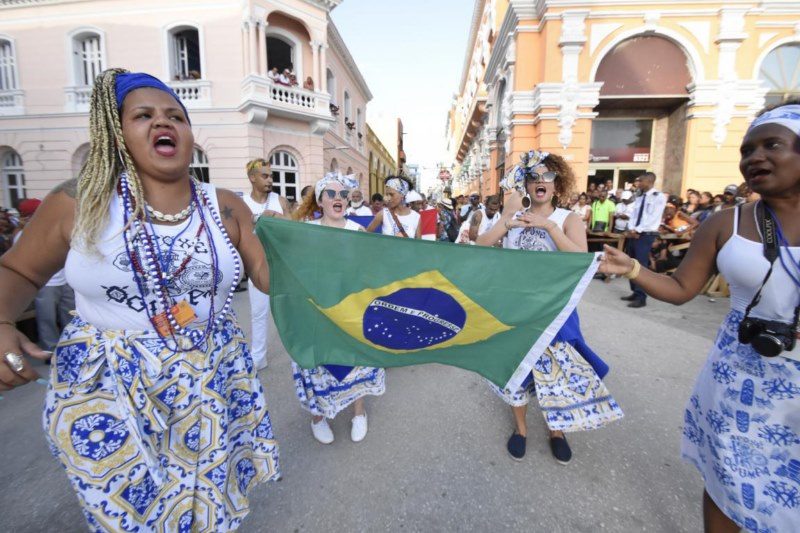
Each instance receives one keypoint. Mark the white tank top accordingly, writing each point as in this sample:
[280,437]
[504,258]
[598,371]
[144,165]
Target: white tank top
[349,224]
[535,239]
[273,203]
[409,222]
[743,265]
[106,293]
[488,223]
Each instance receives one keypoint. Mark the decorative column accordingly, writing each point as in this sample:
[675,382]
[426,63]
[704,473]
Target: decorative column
[323,66]
[731,35]
[253,38]
[246,46]
[262,47]
[315,70]
[571,43]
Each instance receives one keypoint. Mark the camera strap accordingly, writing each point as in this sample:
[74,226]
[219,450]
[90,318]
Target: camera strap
[769,236]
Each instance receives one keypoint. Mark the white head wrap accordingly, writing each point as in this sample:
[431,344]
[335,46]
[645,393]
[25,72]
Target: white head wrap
[515,179]
[787,116]
[348,182]
[413,196]
[399,185]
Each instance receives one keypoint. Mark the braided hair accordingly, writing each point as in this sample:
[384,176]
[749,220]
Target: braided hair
[108,158]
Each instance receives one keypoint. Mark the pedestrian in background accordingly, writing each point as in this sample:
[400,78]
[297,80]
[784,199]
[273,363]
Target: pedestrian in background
[643,229]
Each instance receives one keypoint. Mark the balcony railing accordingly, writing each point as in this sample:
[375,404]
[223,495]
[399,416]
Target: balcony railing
[78,99]
[260,97]
[11,102]
[194,94]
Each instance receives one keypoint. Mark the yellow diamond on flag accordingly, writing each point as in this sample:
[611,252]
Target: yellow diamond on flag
[423,312]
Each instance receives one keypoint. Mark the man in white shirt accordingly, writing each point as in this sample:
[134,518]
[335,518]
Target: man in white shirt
[643,225]
[357,206]
[262,201]
[623,212]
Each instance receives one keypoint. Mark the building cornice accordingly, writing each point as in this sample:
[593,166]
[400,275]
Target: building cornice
[327,5]
[477,15]
[337,43]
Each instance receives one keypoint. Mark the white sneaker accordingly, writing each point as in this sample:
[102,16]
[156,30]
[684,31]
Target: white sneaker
[359,429]
[322,431]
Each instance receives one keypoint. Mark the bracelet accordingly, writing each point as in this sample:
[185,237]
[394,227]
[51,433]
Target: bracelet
[634,271]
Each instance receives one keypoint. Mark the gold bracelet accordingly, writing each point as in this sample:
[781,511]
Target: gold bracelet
[634,271]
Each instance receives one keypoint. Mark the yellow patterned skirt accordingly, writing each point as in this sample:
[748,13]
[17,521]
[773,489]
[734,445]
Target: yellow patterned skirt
[158,440]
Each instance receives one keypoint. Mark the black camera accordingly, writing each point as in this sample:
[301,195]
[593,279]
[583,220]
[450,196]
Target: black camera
[767,337]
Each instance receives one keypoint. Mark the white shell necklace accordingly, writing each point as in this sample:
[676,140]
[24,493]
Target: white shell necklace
[177,217]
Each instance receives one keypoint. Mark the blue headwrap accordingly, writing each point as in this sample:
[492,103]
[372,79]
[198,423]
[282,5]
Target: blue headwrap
[130,81]
[787,116]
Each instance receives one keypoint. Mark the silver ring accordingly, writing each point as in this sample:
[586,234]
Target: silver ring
[15,361]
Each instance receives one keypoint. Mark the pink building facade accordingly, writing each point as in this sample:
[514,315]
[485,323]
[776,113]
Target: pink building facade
[215,54]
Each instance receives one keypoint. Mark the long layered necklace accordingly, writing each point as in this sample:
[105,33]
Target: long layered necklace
[150,270]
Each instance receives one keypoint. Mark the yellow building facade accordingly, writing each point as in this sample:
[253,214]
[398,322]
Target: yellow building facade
[381,162]
[620,87]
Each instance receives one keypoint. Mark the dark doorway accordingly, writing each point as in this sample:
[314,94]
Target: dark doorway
[279,54]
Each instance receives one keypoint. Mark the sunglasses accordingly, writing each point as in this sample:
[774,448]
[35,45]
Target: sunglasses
[547,177]
[343,194]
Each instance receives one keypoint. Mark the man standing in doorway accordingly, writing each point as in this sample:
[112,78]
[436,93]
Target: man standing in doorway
[262,201]
[643,229]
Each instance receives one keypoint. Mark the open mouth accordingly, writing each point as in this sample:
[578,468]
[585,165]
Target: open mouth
[757,173]
[541,191]
[165,145]
[338,207]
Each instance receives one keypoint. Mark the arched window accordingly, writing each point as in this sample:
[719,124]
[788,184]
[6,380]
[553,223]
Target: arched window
[13,179]
[334,165]
[331,86]
[348,112]
[349,171]
[199,167]
[280,53]
[88,58]
[285,175]
[8,66]
[79,158]
[780,71]
[358,121]
[184,53]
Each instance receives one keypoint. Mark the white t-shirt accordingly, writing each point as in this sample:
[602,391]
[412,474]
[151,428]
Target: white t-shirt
[409,222]
[362,211]
[273,203]
[622,209]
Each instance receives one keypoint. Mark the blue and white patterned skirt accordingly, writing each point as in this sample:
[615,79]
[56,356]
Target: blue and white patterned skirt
[321,394]
[571,395]
[154,440]
[742,431]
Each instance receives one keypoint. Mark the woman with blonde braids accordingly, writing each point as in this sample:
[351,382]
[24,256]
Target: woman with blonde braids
[153,406]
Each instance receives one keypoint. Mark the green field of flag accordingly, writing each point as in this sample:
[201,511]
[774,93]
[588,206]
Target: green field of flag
[356,299]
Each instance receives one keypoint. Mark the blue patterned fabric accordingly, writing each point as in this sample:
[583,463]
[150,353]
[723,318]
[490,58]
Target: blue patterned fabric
[154,440]
[571,395]
[323,394]
[742,431]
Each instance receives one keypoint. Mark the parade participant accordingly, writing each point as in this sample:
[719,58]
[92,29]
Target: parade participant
[415,201]
[376,203]
[741,423]
[262,201]
[484,219]
[447,226]
[397,218]
[153,406]
[356,206]
[325,391]
[544,227]
[643,229]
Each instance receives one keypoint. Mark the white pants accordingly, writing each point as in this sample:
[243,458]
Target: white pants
[259,315]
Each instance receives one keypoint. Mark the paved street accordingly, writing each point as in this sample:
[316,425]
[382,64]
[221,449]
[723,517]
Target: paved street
[434,458]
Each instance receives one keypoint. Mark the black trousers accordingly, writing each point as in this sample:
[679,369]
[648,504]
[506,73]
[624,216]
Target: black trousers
[639,249]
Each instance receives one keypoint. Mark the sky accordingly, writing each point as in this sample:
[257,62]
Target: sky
[411,53]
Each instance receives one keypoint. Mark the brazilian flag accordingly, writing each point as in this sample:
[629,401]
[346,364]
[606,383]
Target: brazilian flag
[359,299]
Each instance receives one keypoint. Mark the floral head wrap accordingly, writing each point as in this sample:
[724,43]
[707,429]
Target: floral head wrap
[348,182]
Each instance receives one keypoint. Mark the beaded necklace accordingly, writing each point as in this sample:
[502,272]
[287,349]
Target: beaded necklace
[149,272]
